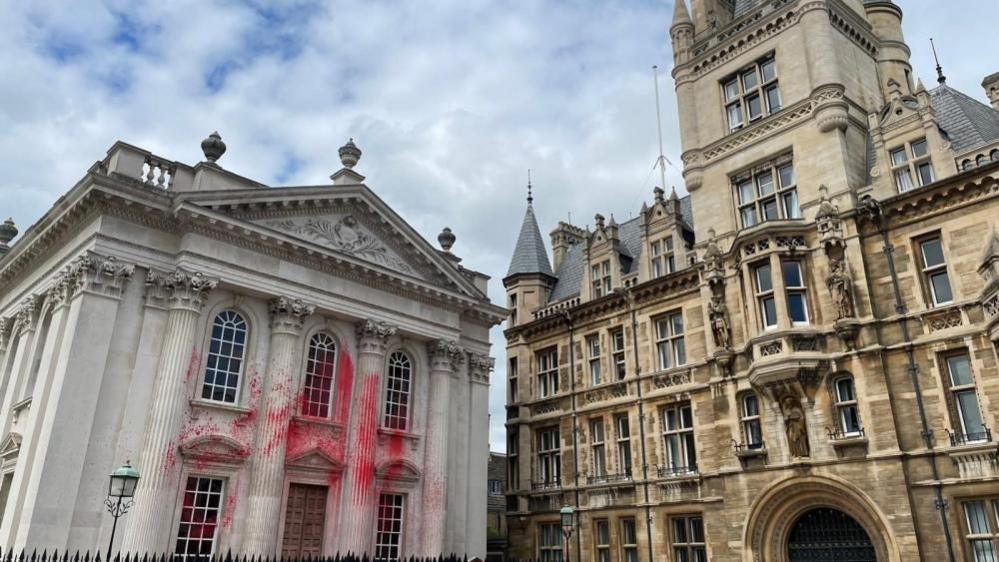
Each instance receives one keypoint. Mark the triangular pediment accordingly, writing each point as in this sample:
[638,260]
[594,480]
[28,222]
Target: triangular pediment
[314,460]
[11,445]
[218,449]
[347,220]
[399,470]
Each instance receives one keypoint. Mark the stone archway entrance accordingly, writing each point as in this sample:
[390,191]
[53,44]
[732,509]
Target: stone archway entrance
[827,534]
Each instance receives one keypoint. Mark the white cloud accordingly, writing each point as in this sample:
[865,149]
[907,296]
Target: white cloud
[451,101]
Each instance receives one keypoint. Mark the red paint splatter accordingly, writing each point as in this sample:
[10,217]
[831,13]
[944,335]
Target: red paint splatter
[193,365]
[344,389]
[230,506]
[364,446]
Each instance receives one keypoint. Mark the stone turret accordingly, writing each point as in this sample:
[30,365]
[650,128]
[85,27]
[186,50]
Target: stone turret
[563,238]
[894,69]
[681,32]
[529,278]
[712,14]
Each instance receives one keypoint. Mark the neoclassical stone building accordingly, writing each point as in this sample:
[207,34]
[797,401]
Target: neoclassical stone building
[799,360]
[293,370]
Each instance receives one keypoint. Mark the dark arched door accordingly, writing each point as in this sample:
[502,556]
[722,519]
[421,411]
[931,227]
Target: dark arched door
[825,534]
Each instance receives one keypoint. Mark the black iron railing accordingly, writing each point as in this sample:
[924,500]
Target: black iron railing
[840,434]
[609,478]
[742,448]
[546,485]
[674,471]
[975,437]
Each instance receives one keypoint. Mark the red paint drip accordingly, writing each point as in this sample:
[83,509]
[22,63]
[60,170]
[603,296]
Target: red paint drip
[364,460]
[192,366]
[230,506]
[344,389]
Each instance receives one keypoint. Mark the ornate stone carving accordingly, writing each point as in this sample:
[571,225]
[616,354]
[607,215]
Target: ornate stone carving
[289,314]
[345,236]
[479,367]
[180,288]
[671,380]
[794,426]
[840,286]
[26,314]
[6,325]
[714,261]
[92,272]
[444,355]
[720,327]
[775,347]
[828,222]
[372,336]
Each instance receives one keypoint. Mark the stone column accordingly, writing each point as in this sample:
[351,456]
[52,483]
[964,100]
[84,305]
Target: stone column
[18,357]
[147,527]
[479,367]
[359,505]
[281,386]
[443,357]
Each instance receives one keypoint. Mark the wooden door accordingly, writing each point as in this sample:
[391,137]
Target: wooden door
[305,516]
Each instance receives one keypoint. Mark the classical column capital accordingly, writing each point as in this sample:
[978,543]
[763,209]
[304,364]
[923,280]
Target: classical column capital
[6,327]
[372,335]
[90,272]
[179,288]
[444,355]
[26,315]
[479,367]
[288,315]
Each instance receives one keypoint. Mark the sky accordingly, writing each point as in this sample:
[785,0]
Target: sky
[451,101]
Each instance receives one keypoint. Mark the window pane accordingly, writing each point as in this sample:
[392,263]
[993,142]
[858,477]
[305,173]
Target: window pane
[769,208]
[677,324]
[749,80]
[773,99]
[680,350]
[734,113]
[753,105]
[696,530]
[898,157]
[797,307]
[983,551]
[731,89]
[941,288]
[932,253]
[763,281]
[746,194]
[977,522]
[960,370]
[925,173]
[679,530]
[919,148]
[844,390]
[971,417]
[750,405]
[851,420]
[903,180]
[769,70]
[786,175]
[765,183]
[792,274]
[769,312]
[748,217]
[791,209]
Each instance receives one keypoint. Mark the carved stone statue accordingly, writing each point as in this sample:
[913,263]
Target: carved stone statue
[840,289]
[720,328]
[794,425]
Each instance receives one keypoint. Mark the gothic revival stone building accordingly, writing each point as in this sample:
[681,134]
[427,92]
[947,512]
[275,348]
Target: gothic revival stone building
[293,370]
[799,361]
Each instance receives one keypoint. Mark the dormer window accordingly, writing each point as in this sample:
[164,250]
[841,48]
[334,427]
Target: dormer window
[751,93]
[767,193]
[601,276]
[663,261]
[911,166]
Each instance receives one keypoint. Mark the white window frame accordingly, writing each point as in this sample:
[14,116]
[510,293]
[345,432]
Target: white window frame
[390,551]
[981,531]
[661,254]
[219,356]
[932,271]
[547,372]
[773,184]
[629,539]
[795,290]
[601,539]
[752,423]
[322,353]
[398,392]
[550,542]
[910,160]
[549,446]
[764,295]
[847,406]
[969,388]
[617,353]
[678,438]
[598,448]
[622,432]
[671,348]
[736,91]
[600,275]
[687,547]
[593,350]
[218,510]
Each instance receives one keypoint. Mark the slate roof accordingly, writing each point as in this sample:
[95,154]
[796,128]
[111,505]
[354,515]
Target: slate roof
[744,6]
[968,122]
[529,255]
[570,272]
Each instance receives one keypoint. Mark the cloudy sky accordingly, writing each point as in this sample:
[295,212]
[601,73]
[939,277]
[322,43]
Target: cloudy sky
[450,100]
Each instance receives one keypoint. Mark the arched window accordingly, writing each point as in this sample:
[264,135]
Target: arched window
[226,352]
[320,370]
[980,160]
[846,406]
[994,155]
[398,391]
[749,409]
[965,165]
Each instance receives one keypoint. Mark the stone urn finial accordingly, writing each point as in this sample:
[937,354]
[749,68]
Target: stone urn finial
[7,233]
[446,239]
[349,154]
[213,147]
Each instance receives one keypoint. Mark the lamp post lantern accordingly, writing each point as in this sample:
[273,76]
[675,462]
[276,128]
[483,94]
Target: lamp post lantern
[567,525]
[121,490]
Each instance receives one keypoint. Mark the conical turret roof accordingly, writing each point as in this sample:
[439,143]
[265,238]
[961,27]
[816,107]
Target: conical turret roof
[530,256]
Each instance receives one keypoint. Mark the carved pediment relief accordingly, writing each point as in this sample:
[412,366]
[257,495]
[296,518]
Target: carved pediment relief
[344,234]
[400,471]
[216,449]
[11,445]
[314,460]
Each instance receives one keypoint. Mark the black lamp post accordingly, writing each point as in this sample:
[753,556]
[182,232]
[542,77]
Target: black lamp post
[567,525]
[120,492]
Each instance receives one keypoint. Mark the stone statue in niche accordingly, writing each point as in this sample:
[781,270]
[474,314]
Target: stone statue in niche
[794,425]
[720,328]
[840,288]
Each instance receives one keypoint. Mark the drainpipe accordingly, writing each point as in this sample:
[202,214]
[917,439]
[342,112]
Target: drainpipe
[630,299]
[874,213]
[575,441]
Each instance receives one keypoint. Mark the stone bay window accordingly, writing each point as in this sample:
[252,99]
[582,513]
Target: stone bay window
[780,292]
[752,93]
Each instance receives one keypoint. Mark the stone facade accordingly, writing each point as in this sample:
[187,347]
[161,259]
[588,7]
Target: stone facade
[291,370]
[806,348]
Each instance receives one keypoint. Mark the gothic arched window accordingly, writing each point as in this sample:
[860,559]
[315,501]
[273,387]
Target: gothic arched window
[965,165]
[320,370]
[398,391]
[226,352]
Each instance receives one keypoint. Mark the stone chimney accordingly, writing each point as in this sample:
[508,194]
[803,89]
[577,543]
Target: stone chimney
[564,237]
[991,85]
